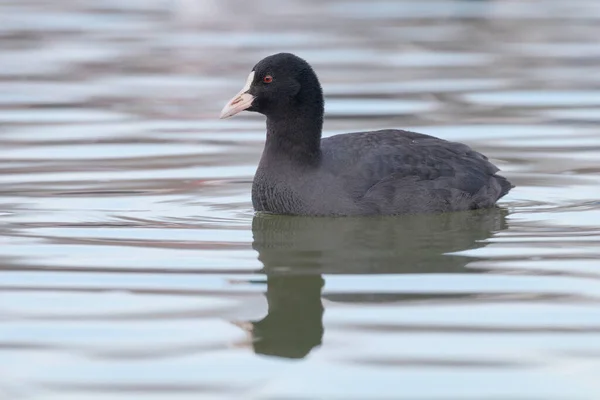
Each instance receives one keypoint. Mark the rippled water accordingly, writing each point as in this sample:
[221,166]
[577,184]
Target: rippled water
[133,265]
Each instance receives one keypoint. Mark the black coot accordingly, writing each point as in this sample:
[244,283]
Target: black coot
[361,173]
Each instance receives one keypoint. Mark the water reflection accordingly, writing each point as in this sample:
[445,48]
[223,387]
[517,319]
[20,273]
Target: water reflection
[296,252]
[294,323]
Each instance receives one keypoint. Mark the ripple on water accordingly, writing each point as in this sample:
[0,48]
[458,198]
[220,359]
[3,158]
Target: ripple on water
[541,98]
[158,234]
[545,135]
[236,40]
[441,59]
[23,93]
[66,21]
[473,283]
[71,128]
[52,59]
[576,114]
[60,115]
[414,86]
[76,131]
[362,107]
[559,50]
[194,173]
[112,306]
[110,151]
[439,9]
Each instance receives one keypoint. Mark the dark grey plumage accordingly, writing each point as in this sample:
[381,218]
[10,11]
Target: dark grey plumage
[361,173]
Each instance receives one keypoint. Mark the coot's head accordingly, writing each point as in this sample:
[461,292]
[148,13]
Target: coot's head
[280,85]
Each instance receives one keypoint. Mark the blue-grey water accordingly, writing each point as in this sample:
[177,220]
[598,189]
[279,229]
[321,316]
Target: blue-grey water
[133,266]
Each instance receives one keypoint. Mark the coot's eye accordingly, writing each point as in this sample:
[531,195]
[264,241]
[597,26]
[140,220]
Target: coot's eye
[268,79]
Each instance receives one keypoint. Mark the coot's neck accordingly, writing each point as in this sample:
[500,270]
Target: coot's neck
[295,138]
[294,132]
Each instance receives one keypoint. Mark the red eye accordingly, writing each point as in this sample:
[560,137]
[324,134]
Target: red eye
[268,79]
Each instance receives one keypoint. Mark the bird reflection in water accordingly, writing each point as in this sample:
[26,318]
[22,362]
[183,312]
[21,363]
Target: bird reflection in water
[297,251]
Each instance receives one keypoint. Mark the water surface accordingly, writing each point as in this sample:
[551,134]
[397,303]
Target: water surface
[133,265]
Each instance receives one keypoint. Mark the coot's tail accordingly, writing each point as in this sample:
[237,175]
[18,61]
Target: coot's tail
[505,185]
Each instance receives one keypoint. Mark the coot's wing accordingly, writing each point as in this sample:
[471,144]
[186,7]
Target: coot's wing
[401,171]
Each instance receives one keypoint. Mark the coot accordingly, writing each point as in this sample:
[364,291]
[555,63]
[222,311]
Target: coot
[381,172]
